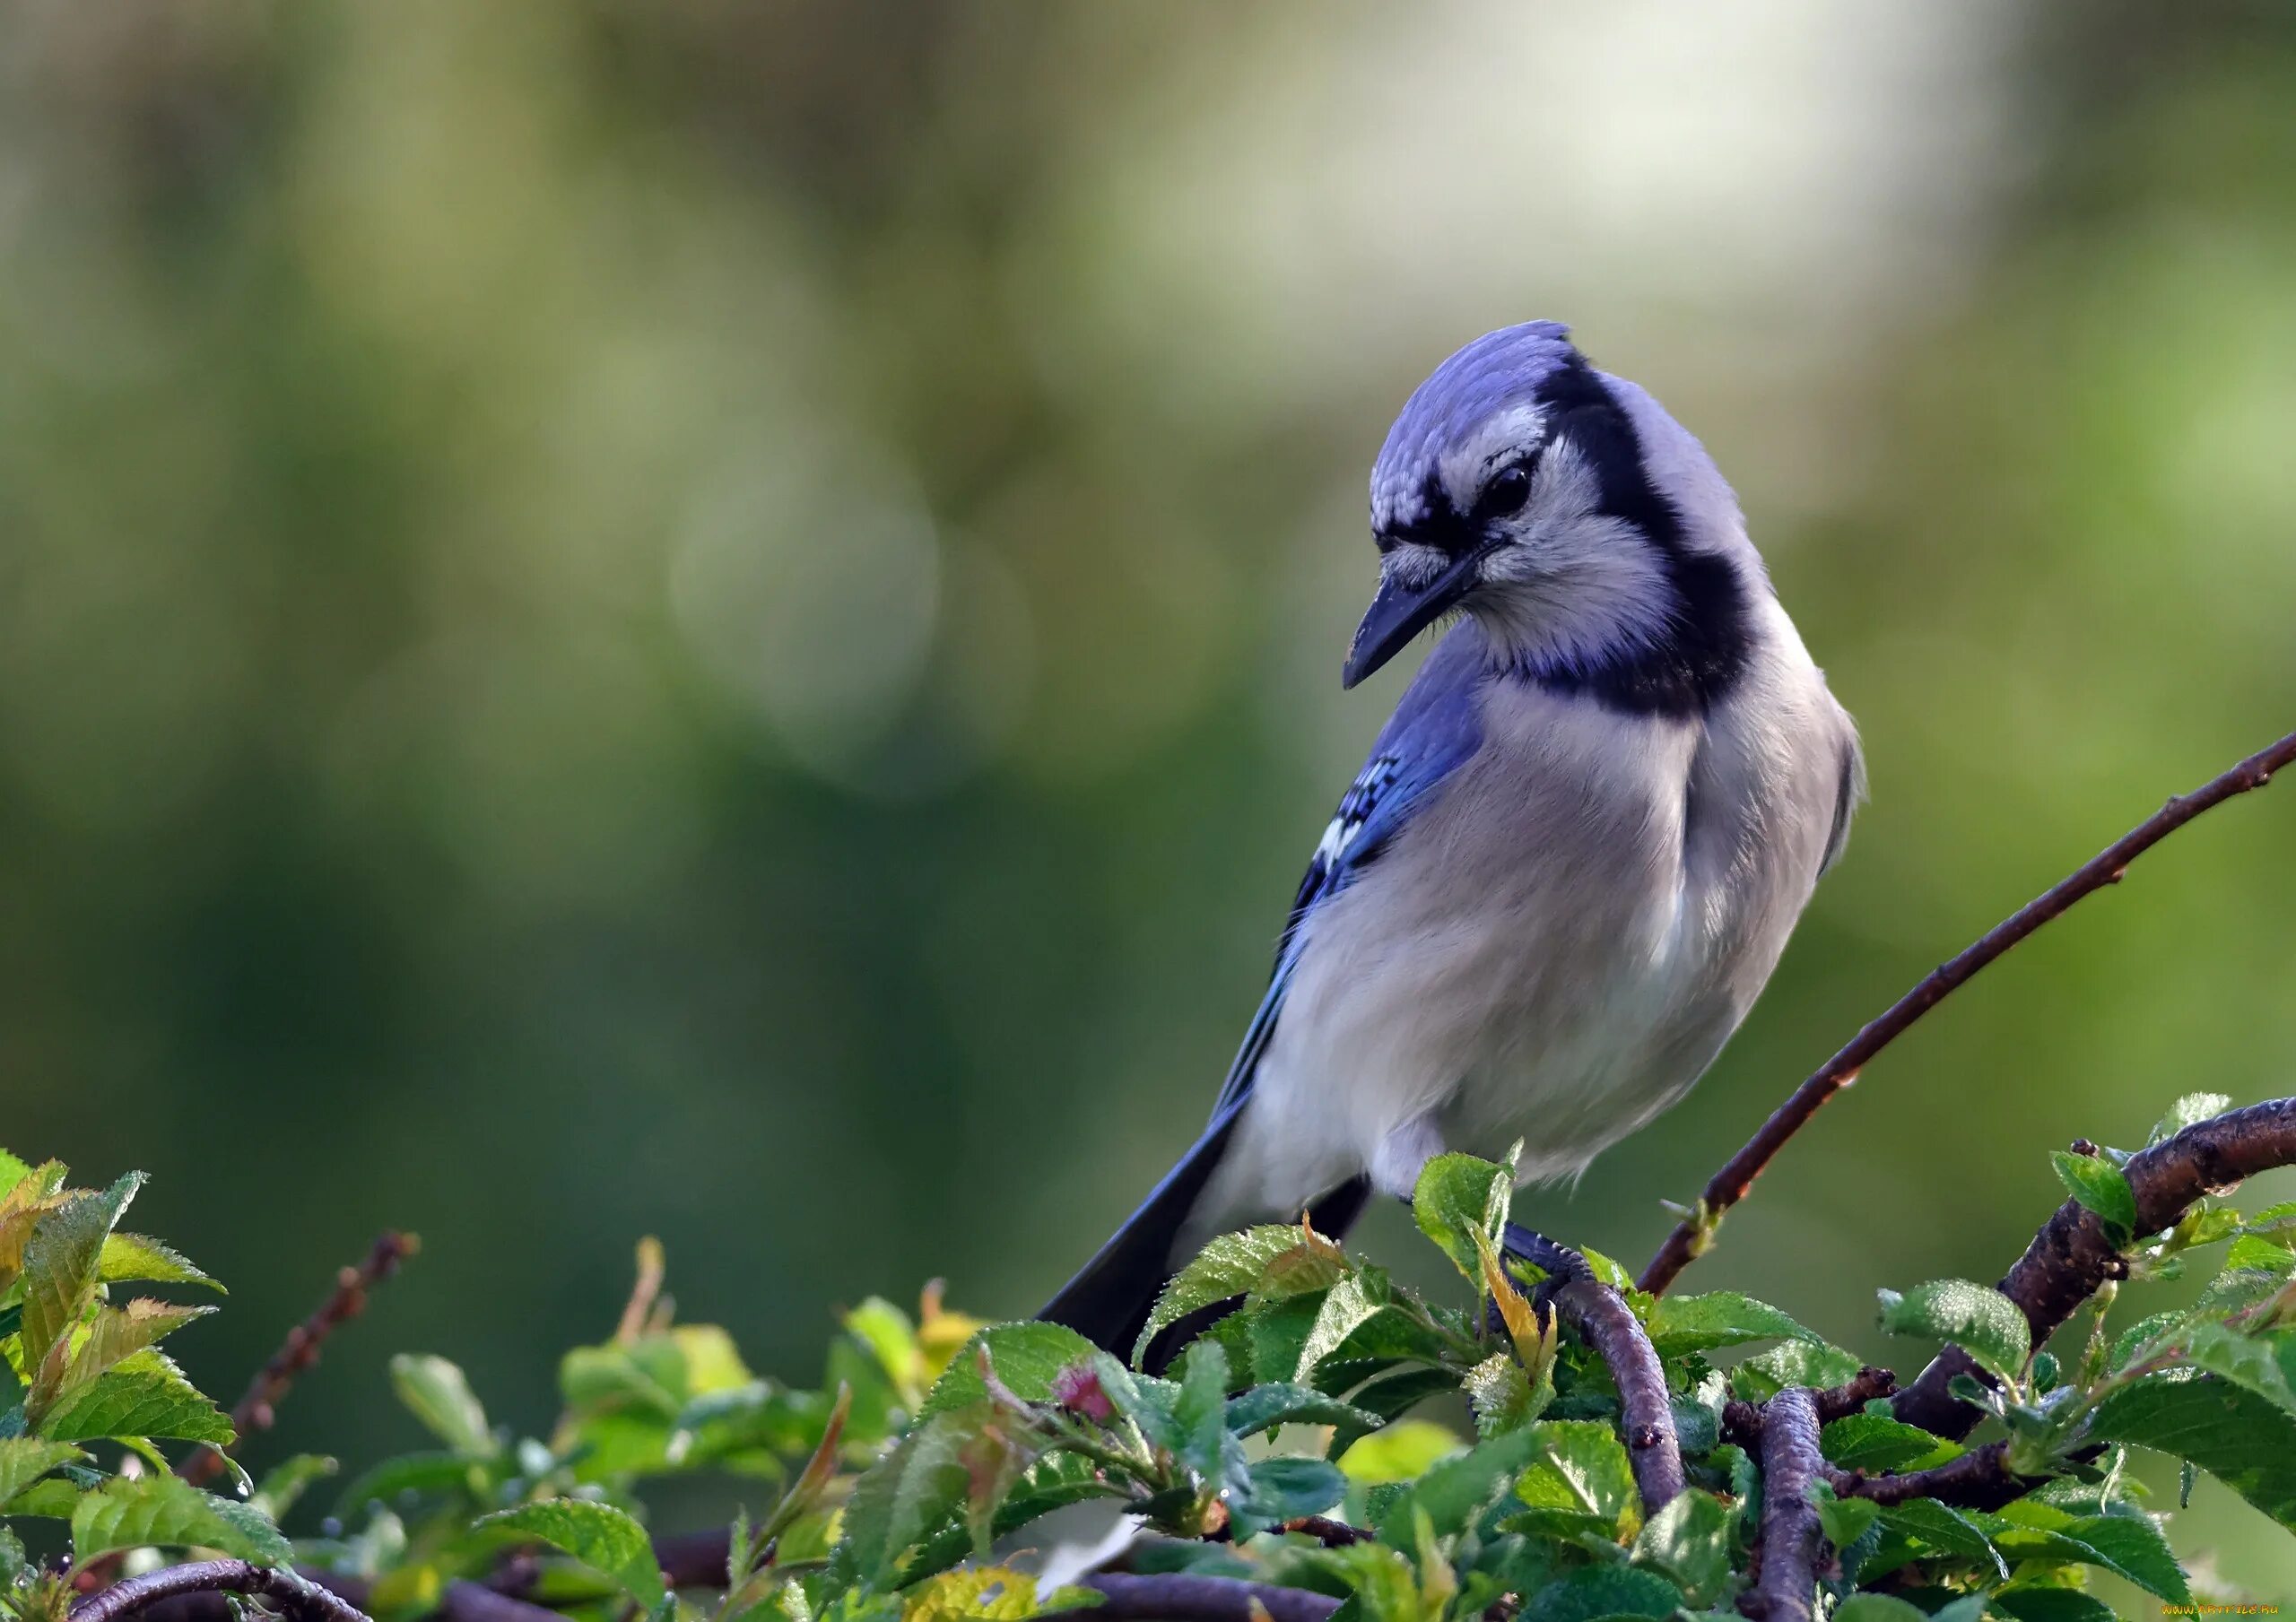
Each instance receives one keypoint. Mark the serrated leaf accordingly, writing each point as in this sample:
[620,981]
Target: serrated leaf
[1581,1465]
[1500,1396]
[1844,1521]
[2130,1546]
[1282,1488]
[24,1459]
[147,1395]
[383,1483]
[1027,1357]
[166,1511]
[12,1171]
[1688,1541]
[597,1535]
[1946,1529]
[2244,1440]
[1200,1415]
[987,1593]
[2100,1187]
[133,1257]
[1601,1591]
[2190,1110]
[1455,1195]
[1231,1265]
[113,1336]
[2037,1604]
[1265,1407]
[60,1260]
[1874,1443]
[913,1493]
[435,1392]
[1982,1321]
[1682,1324]
[1814,1363]
[1454,1492]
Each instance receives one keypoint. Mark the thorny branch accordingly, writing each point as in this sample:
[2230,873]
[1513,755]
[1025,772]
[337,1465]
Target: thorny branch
[1791,1462]
[257,1409]
[1729,1185]
[2071,1256]
[1601,1317]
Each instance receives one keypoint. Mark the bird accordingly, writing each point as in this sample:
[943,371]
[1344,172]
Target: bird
[1577,848]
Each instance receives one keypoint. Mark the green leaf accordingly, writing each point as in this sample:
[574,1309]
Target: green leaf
[133,1257]
[1682,1324]
[2190,1110]
[1454,1492]
[2053,1605]
[134,1511]
[424,1473]
[1401,1452]
[112,1337]
[1231,1265]
[2244,1440]
[1604,1591]
[287,1481]
[1455,1195]
[1579,1465]
[1689,1542]
[1947,1530]
[1265,1407]
[597,1535]
[60,1264]
[2130,1546]
[435,1392]
[1283,1488]
[147,1395]
[1500,1396]
[2100,1187]
[23,1459]
[1200,1415]
[1879,1608]
[1027,1357]
[12,1171]
[1845,1520]
[1874,1443]
[1984,1322]
[1815,1365]
[910,1494]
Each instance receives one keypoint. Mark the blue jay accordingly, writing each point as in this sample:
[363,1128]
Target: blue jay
[1579,843]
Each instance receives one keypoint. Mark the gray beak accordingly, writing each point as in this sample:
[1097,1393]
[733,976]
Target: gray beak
[1397,614]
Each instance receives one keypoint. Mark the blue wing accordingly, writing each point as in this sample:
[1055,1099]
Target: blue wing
[1433,730]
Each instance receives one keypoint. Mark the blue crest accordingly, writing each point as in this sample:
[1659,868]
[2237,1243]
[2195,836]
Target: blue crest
[1498,370]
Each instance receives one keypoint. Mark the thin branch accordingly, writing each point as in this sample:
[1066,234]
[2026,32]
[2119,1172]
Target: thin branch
[1978,1479]
[185,1597]
[1791,1462]
[2071,1256]
[257,1409]
[1602,1319]
[1729,1185]
[1324,1530]
[1186,1597]
[297,1596]
[1742,1421]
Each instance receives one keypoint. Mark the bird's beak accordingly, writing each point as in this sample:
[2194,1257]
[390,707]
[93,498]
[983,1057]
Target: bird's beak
[1398,613]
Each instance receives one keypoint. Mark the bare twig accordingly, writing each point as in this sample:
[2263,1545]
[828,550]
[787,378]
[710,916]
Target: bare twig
[300,1349]
[2071,1256]
[1605,1321]
[1742,1421]
[1978,1479]
[1729,1185]
[1186,1597]
[1324,1530]
[1791,1462]
[298,1596]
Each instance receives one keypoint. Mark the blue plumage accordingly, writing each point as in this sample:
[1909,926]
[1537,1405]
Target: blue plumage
[1575,850]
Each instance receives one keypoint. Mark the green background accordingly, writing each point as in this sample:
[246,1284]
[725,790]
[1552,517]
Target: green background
[724,621]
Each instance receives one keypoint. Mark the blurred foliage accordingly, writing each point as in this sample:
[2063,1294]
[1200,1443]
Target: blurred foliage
[624,618]
[918,1483]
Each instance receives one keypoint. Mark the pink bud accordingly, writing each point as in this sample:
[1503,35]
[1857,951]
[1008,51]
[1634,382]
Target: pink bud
[1077,1389]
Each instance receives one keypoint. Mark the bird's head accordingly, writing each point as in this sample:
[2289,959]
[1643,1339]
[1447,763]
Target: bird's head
[1586,532]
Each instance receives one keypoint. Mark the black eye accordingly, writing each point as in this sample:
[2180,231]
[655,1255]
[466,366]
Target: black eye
[1508,489]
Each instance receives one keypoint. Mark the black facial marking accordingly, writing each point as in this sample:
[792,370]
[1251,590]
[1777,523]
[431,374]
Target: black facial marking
[1704,649]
